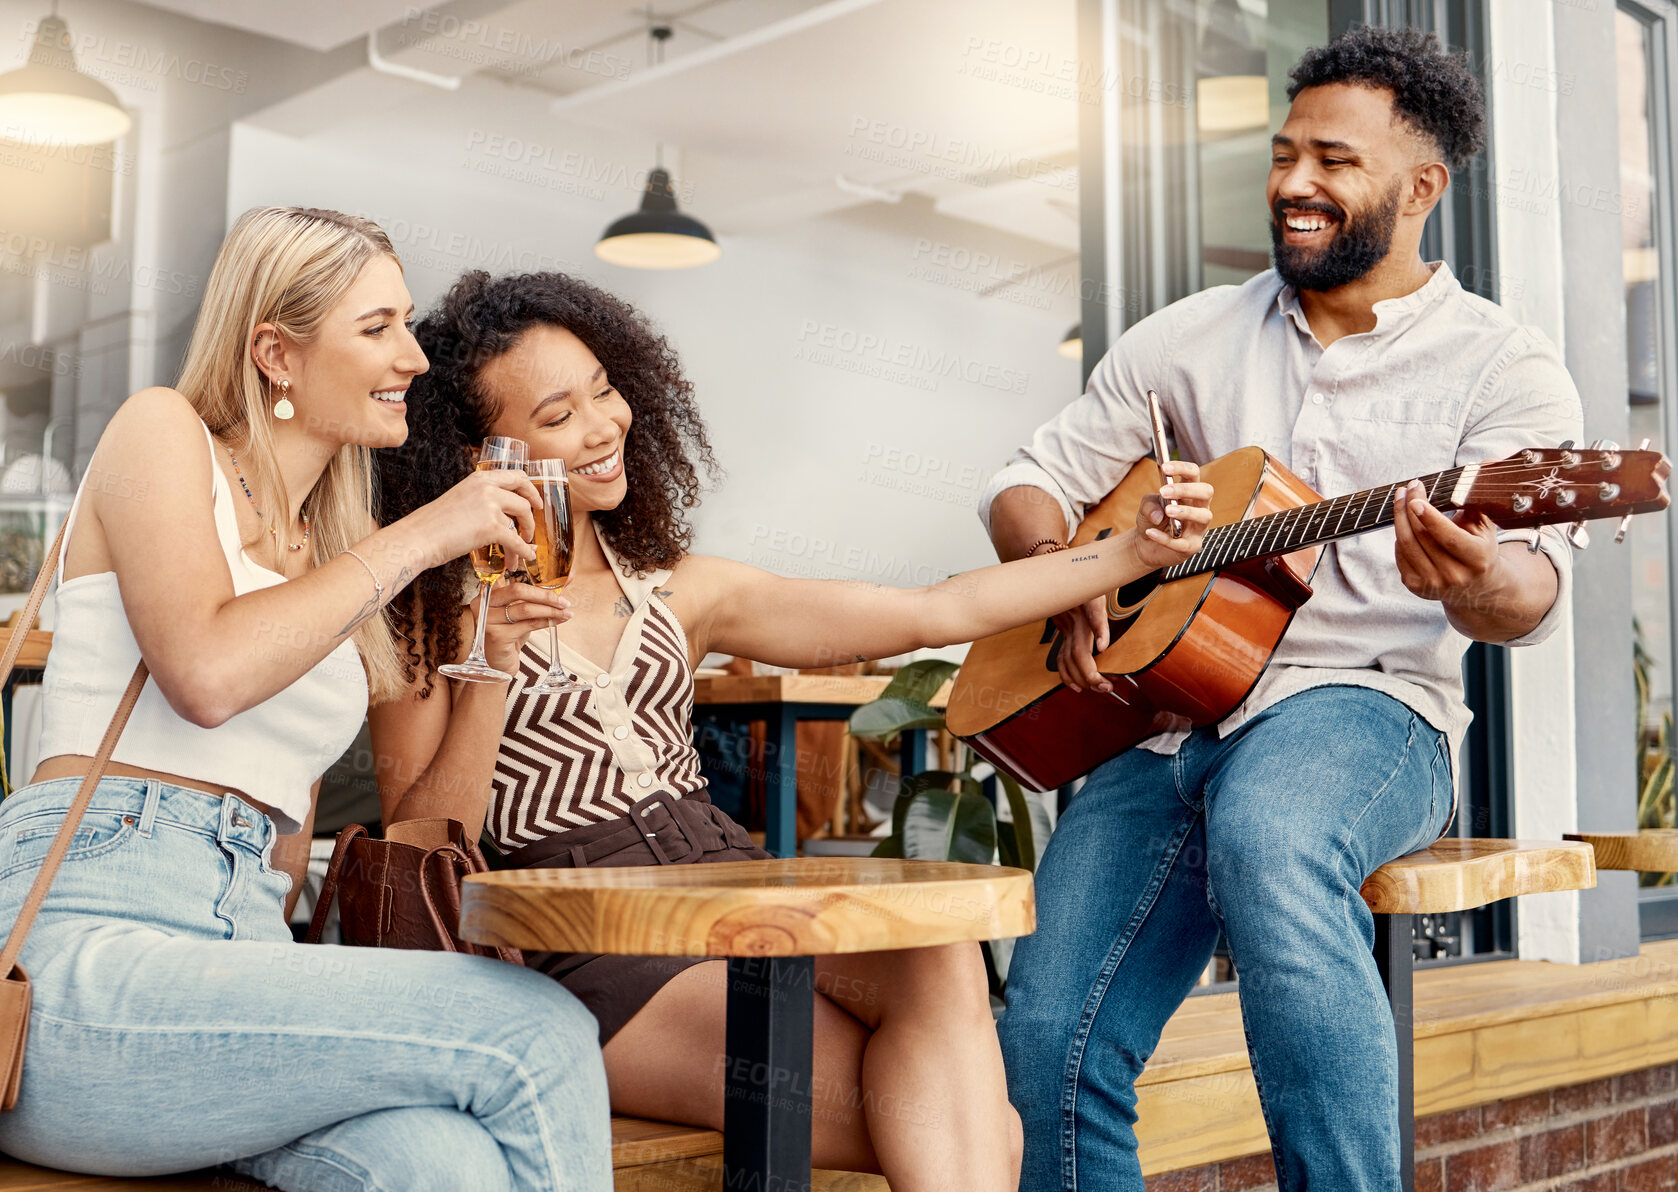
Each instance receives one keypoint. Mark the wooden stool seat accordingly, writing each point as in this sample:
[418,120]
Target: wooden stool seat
[1454,874]
[1459,874]
[1649,850]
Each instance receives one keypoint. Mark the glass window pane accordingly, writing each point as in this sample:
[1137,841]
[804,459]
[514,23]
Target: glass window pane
[1649,399]
[1243,52]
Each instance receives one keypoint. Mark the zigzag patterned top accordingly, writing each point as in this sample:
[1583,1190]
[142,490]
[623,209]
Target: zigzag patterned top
[584,757]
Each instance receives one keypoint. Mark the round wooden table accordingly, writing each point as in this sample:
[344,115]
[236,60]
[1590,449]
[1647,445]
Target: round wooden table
[770,919]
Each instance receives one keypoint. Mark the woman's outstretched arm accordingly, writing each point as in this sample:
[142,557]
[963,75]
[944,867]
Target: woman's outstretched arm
[799,622]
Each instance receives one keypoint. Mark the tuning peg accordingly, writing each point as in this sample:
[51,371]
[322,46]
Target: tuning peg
[1625,522]
[1532,547]
[1610,453]
[1577,536]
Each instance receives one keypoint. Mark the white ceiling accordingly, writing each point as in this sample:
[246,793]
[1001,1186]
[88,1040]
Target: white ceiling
[317,24]
[784,109]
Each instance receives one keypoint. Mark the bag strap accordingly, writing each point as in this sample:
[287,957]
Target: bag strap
[329,886]
[84,794]
[468,860]
[458,861]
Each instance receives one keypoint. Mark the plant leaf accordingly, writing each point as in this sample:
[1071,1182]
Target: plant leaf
[1031,822]
[1007,845]
[920,681]
[890,846]
[941,825]
[885,718]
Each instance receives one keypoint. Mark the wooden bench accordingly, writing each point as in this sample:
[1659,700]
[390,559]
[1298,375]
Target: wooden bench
[1454,874]
[1648,850]
[646,1157]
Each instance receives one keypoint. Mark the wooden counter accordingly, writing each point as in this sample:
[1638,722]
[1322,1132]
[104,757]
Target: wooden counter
[1484,1032]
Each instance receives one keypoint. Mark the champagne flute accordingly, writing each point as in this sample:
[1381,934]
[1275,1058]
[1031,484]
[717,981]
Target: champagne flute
[551,568]
[488,561]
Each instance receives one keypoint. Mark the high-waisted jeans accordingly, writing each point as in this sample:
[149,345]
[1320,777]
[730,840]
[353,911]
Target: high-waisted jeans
[176,1025]
[1269,832]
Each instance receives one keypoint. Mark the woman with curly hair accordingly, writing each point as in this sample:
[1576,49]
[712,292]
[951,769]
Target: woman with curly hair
[909,1078]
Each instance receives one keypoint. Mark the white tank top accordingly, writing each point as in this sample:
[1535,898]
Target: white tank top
[273,752]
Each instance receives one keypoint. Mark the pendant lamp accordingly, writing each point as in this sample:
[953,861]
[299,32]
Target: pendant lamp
[658,236]
[1232,93]
[1072,346]
[49,101]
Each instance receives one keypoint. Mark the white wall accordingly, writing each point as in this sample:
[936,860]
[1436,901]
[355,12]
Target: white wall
[856,388]
[1529,245]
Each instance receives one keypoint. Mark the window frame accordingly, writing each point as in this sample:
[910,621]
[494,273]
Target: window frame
[1657,906]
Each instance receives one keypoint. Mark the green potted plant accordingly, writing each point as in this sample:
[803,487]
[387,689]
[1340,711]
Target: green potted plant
[943,815]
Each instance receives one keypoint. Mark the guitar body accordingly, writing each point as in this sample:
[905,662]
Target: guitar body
[1182,653]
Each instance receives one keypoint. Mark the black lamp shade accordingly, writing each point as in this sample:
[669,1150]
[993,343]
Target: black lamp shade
[658,236]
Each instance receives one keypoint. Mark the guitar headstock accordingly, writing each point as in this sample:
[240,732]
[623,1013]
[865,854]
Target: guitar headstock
[1545,485]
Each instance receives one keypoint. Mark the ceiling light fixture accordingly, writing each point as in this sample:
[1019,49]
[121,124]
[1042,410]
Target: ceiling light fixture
[48,101]
[1072,346]
[1232,93]
[658,236]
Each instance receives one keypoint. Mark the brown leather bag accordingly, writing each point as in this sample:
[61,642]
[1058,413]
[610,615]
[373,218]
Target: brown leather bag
[402,891]
[14,986]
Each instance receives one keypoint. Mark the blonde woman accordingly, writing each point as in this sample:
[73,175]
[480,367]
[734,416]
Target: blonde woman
[224,531]
[908,1073]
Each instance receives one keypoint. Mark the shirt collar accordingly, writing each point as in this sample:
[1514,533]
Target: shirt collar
[1390,313]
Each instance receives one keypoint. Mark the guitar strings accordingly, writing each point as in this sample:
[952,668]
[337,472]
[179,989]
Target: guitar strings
[1279,526]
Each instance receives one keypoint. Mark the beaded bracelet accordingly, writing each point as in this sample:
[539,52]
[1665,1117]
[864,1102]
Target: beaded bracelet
[378,588]
[1054,542]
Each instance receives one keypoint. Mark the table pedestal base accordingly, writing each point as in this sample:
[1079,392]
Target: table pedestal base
[769,1070]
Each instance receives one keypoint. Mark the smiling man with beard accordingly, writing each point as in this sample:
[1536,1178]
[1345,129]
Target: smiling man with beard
[1355,363]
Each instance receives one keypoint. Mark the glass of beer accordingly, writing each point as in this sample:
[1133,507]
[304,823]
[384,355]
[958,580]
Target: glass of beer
[552,566]
[488,562]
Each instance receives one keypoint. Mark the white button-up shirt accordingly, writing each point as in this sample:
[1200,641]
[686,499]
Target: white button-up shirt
[1445,378]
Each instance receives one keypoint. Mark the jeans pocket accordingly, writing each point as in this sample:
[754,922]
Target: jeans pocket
[26,845]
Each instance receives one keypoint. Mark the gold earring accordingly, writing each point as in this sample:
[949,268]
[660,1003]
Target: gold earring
[283,408]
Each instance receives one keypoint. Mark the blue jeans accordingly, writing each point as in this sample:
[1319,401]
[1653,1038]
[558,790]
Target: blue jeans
[1269,832]
[176,1025]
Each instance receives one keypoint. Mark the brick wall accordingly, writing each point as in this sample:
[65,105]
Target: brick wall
[1617,1135]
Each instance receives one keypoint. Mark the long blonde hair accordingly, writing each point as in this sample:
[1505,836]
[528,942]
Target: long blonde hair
[288,266]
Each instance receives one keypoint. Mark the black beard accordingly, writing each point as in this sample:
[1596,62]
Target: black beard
[1355,249]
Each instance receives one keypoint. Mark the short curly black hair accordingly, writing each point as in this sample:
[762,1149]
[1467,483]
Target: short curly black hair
[1434,92]
[450,411]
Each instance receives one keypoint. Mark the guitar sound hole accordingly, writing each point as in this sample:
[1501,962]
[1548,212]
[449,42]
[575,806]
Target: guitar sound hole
[1128,600]
[1123,608]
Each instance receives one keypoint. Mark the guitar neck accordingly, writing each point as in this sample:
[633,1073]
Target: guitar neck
[1308,525]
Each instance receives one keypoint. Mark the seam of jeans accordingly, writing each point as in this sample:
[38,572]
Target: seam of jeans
[526,1081]
[1264,1106]
[159,822]
[1403,758]
[1093,1000]
[331,1158]
[91,852]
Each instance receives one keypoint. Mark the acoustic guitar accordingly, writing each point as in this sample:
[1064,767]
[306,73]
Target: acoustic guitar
[1188,643]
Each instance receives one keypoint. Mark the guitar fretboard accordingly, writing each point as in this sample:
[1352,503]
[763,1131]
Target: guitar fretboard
[1307,525]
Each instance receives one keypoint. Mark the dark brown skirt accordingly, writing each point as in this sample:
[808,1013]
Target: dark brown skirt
[659,830]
